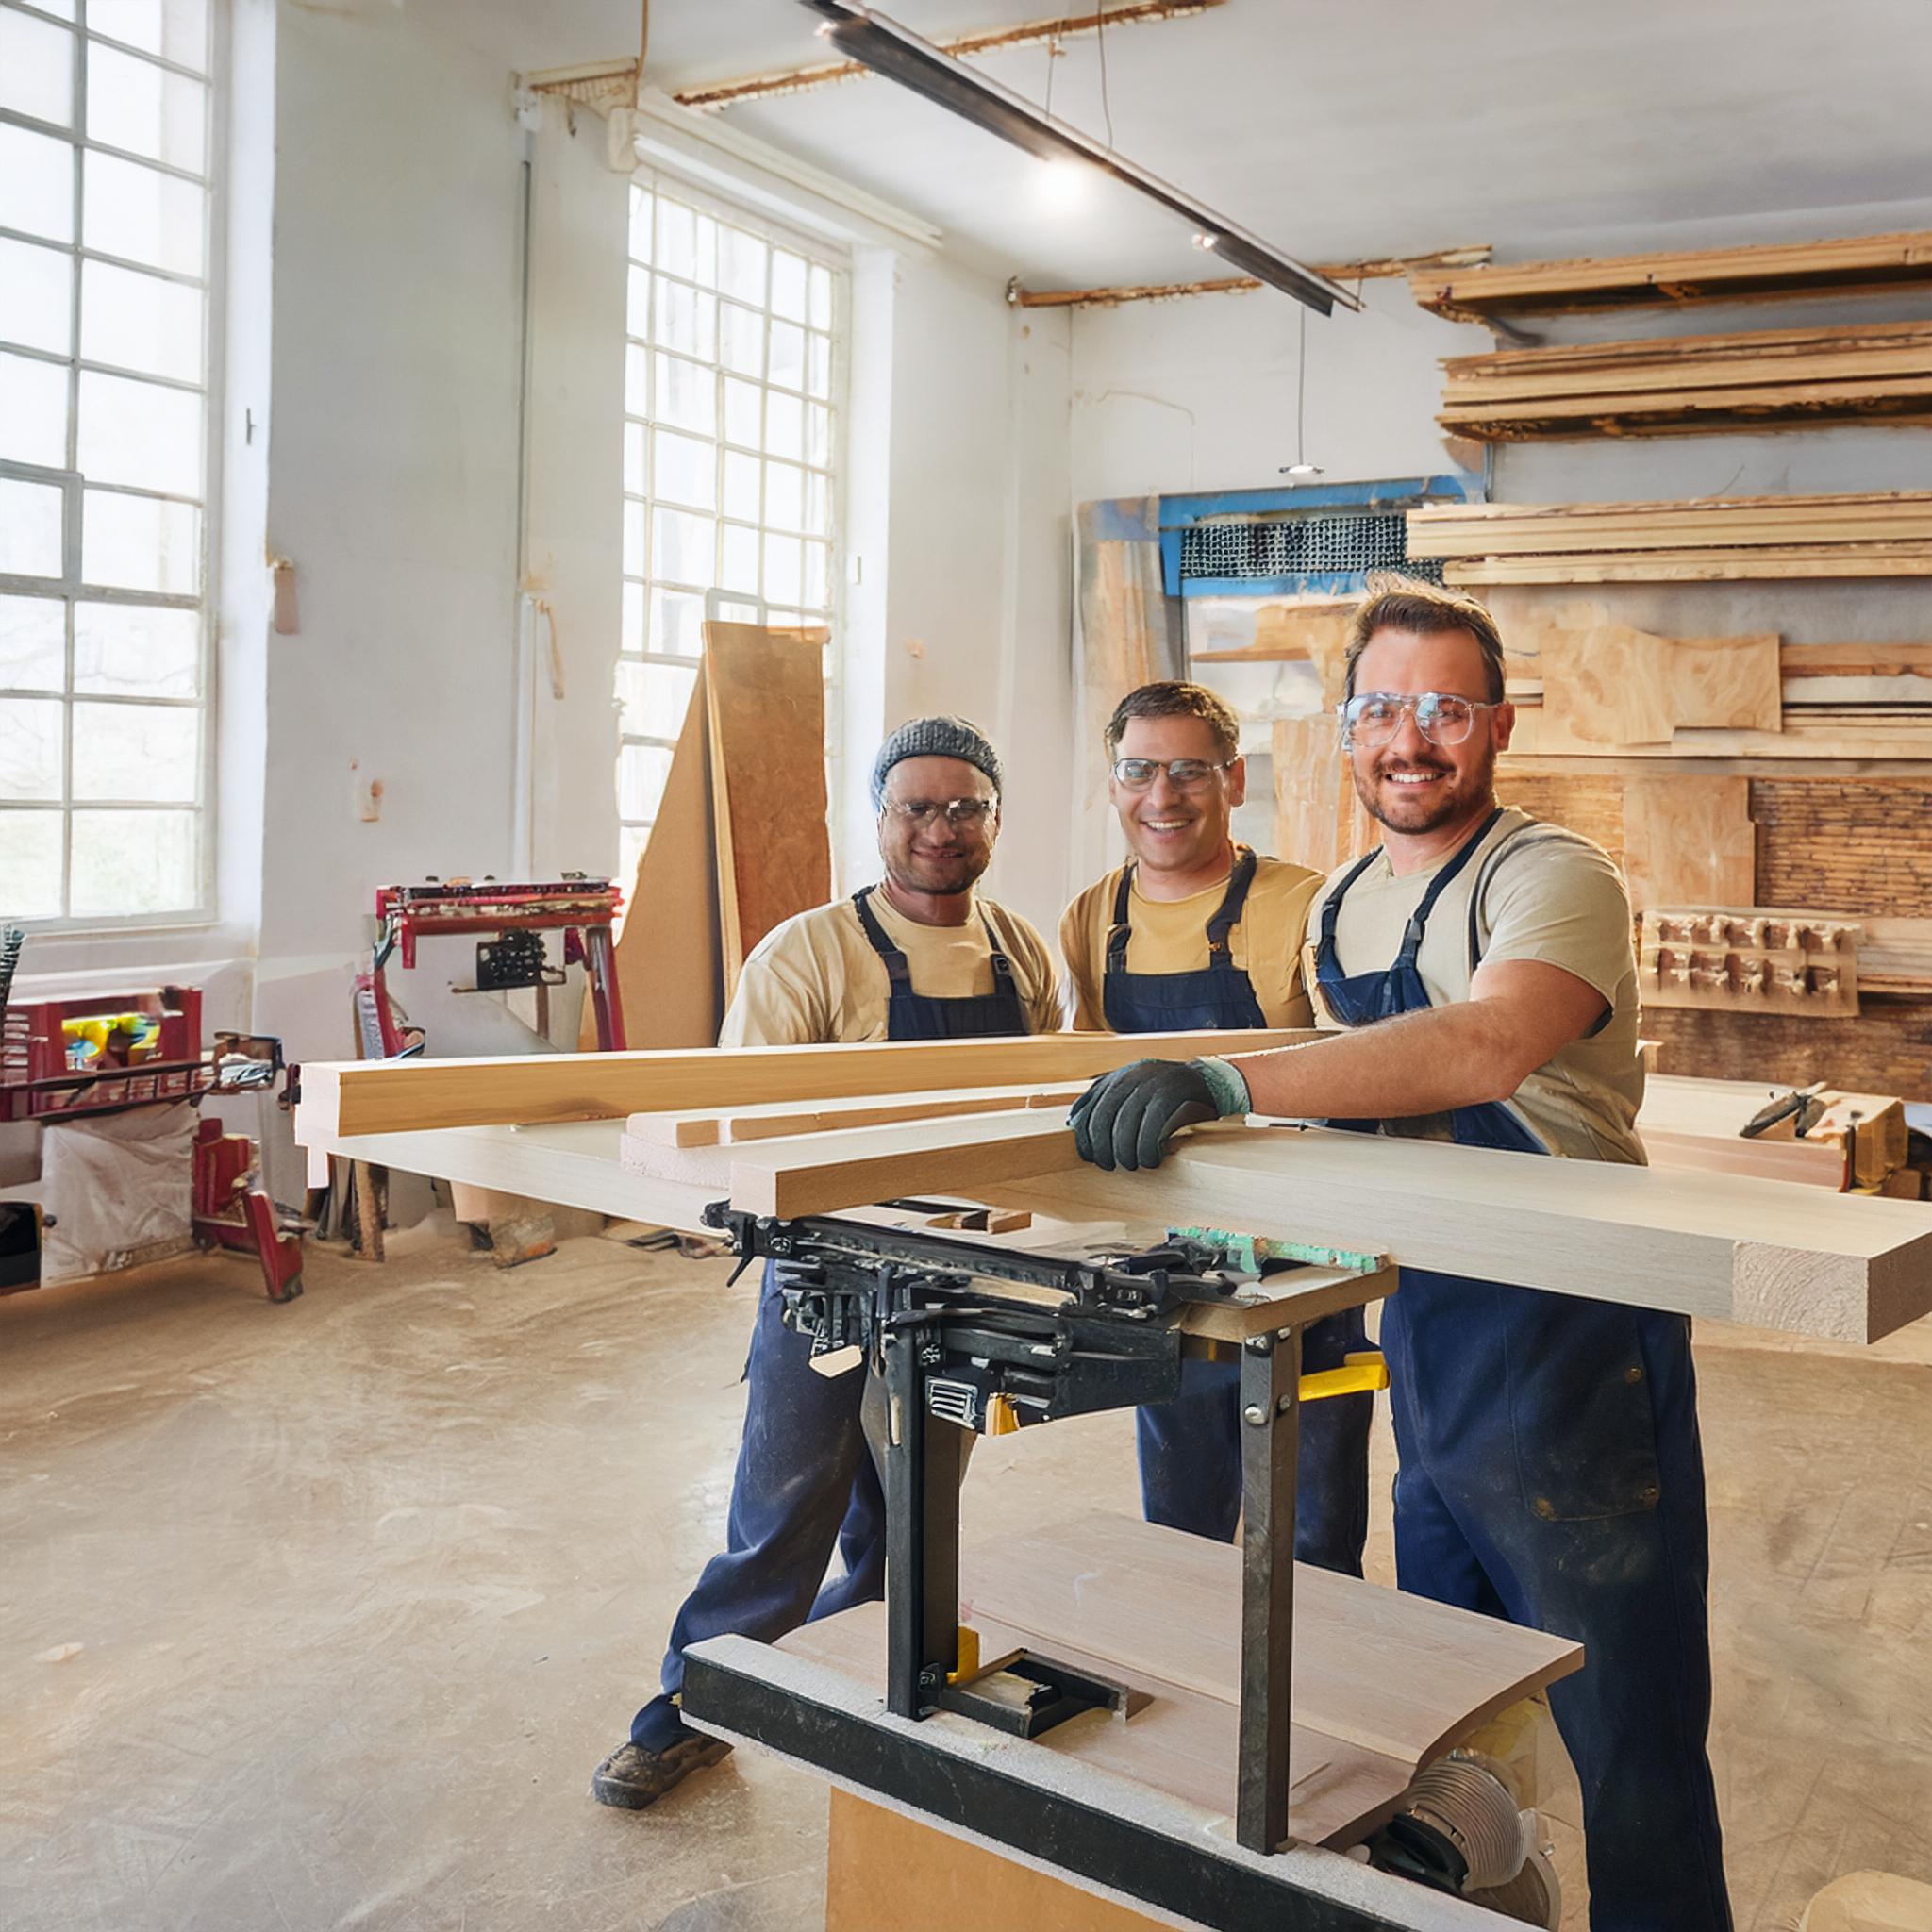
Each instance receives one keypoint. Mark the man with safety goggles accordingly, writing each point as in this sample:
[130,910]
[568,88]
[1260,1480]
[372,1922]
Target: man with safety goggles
[1196,931]
[1550,1464]
[919,956]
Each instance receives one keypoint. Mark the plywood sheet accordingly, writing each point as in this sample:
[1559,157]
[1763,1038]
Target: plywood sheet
[1182,1743]
[1612,686]
[1689,841]
[1399,1675]
[884,1871]
[668,968]
[765,697]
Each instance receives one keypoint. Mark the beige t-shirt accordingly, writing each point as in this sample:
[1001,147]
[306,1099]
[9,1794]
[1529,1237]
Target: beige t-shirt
[1550,895]
[1171,936]
[816,978]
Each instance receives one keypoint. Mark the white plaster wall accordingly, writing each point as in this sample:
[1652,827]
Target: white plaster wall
[972,615]
[1200,394]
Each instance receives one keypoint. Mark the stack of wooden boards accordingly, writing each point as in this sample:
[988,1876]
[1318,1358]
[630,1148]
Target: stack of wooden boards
[1735,1248]
[1873,534]
[740,840]
[1767,379]
[1856,265]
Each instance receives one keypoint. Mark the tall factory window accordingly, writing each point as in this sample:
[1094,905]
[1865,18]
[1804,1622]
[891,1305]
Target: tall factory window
[732,441]
[105,185]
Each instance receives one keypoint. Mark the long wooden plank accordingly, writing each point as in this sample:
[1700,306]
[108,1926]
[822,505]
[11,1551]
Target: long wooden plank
[1800,561]
[387,1096]
[1391,1672]
[1731,1248]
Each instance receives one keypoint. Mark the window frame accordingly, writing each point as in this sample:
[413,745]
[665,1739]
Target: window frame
[70,589]
[722,600]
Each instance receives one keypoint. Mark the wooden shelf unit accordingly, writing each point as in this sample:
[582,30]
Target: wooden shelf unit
[1857,264]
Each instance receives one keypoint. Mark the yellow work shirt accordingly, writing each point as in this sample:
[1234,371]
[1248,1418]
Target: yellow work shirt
[1171,936]
[1548,895]
[815,979]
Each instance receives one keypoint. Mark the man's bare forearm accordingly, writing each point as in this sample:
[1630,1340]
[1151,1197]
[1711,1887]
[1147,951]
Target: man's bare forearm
[1416,1063]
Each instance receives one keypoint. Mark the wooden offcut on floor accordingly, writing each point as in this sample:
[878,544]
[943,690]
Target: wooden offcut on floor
[364,1587]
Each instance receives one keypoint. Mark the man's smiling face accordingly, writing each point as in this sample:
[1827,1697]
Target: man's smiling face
[1408,784]
[1173,827]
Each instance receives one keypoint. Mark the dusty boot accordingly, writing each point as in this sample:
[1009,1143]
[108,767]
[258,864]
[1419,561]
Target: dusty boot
[636,1774]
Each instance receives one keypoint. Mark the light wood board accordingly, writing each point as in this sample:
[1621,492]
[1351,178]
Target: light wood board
[766,708]
[667,958]
[1689,841]
[1730,1248]
[387,1096]
[1400,1675]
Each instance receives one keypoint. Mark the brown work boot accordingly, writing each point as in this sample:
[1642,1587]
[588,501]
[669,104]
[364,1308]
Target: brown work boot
[631,1777]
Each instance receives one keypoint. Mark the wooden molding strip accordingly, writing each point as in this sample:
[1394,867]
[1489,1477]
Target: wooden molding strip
[343,1097]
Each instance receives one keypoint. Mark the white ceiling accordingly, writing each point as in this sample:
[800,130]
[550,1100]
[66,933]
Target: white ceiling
[1337,130]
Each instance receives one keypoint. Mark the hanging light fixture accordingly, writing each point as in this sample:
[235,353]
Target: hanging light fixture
[899,55]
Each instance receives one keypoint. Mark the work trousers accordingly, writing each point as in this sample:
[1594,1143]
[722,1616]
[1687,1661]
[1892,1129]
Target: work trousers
[806,1484]
[1190,1454]
[1551,1474]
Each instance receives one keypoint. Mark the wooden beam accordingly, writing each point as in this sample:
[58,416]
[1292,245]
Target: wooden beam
[344,1097]
[1032,33]
[1729,1248]
[1375,269]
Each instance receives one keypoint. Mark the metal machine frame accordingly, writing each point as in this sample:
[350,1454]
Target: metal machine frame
[927,1314]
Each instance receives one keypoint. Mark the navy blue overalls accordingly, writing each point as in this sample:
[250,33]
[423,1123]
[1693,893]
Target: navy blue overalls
[805,1480]
[1550,1473]
[1190,1458]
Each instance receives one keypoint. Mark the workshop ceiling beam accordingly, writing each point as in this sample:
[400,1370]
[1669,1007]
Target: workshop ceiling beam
[1032,33]
[1375,268]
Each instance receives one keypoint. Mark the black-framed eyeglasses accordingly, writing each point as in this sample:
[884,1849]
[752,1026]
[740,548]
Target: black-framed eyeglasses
[961,813]
[1374,717]
[1184,775]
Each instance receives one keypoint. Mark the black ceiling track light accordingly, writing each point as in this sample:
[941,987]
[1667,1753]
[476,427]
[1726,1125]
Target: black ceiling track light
[898,55]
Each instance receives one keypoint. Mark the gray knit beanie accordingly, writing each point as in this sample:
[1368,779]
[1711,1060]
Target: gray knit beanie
[933,738]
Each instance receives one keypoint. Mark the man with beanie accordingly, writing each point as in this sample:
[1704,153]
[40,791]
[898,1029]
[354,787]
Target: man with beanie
[919,956]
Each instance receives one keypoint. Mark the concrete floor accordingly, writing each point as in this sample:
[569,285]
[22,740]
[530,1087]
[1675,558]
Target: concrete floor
[364,1586]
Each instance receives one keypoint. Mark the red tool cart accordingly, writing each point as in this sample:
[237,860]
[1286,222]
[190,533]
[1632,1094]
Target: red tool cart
[515,916]
[106,1053]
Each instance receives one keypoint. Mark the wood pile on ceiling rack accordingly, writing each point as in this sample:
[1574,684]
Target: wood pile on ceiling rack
[1685,385]
[1878,535]
[1859,264]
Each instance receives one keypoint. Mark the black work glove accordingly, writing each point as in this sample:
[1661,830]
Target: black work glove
[1126,1117]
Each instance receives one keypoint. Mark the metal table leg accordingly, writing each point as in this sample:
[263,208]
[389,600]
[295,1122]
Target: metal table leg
[1269,1395]
[922,1463]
